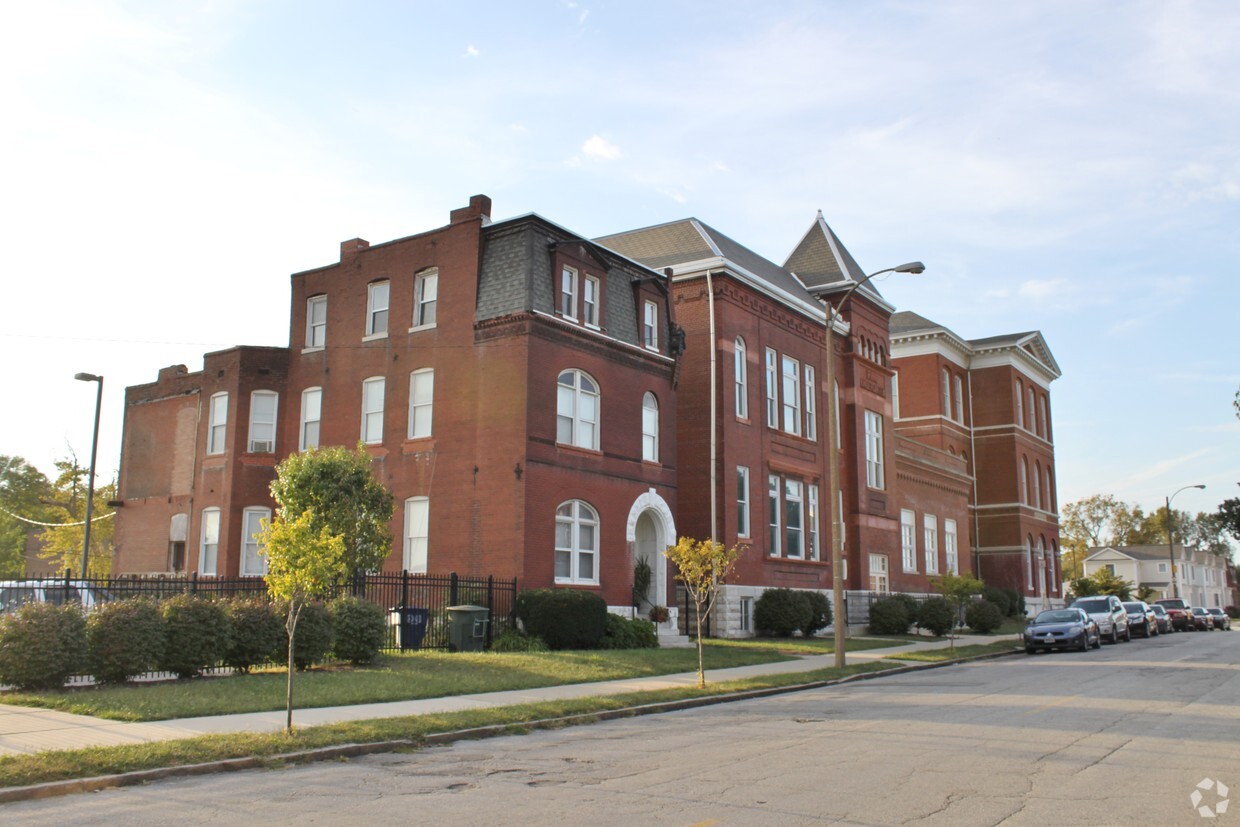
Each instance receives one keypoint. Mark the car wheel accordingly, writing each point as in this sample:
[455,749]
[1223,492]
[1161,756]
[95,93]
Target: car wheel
[1098,641]
[1114,635]
[1084,647]
[1029,650]
[1128,634]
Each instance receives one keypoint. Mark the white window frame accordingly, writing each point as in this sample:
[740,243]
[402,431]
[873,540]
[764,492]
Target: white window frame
[571,401]
[316,322]
[568,293]
[945,387]
[372,415]
[576,515]
[880,578]
[812,521]
[895,395]
[959,400]
[1020,403]
[1037,484]
[908,540]
[874,476]
[417,534]
[303,438]
[650,325]
[425,299]
[1028,562]
[209,542]
[951,545]
[421,403]
[811,407]
[746,614]
[1024,480]
[378,298]
[217,423]
[253,562]
[1031,412]
[742,501]
[740,378]
[1045,423]
[930,530]
[794,519]
[774,535]
[590,304]
[790,387]
[255,444]
[650,427]
[772,388]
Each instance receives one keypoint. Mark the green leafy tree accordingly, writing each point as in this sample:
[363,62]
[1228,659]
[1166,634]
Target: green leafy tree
[1102,582]
[338,490]
[702,566]
[66,505]
[23,492]
[1084,524]
[304,563]
[1228,516]
[957,590]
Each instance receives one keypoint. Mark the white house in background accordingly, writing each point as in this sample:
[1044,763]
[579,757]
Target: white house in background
[1202,576]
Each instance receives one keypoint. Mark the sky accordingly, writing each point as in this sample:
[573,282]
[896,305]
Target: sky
[1059,166]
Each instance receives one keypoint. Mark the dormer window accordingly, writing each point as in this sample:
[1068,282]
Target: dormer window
[590,295]
[568,293]
[650,325]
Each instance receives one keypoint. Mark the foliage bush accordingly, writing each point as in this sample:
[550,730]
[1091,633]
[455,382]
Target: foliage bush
[313,637]
[1002,598]
[197,633]
[780,612]
[1016,603]
[912,604]
[1233,612]
[936,616]
[623,633]
[124,639]
[889,616]
[42,645]
[515,641]
[820,613]
[257,633]
[983,617]
[564,618]
[359,628]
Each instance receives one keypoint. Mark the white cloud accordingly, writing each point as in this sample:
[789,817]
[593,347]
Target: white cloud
[1042,289]
[471,50]
[600,149]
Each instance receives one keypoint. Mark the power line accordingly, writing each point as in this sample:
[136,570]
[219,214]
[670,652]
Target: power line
[54,525]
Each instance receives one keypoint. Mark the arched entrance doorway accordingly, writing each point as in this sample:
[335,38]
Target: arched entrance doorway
[651,529]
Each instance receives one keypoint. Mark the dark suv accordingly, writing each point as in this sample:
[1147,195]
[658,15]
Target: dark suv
[1180,612]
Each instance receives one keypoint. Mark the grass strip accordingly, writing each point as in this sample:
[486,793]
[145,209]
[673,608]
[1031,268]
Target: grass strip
[941,655]
[803,646]
[22,770]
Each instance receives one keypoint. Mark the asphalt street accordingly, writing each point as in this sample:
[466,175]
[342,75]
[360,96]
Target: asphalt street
[1119,736]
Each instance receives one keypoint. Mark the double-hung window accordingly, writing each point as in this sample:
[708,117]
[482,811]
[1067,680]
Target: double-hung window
[316,322]
[568,293]
[577,410]
[590,301]
[874,449]
[650,325]
[930,524]
[795,519]
[772,389]
[421,402]
[377,308]
[908,539]
[372,410]
[217,423]
[208,557]
[417,531]
[791,372]
[650,428]
[425,298]
[773,510]
[742,501]
[253,563]
[951,546]
[811,518]
[740,373]
[263,422]
[811,394]
[311,413]
[576,543]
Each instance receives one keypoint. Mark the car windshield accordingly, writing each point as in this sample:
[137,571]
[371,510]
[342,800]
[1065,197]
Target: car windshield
[1058,616]
[1093,605]
[1216,611]
[1158,610]
[1134,607]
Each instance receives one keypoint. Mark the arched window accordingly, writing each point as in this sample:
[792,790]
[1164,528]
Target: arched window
[577,403]
[1050,490]
[1020,403]
[945,386]
[1029,561]
[650,428]
[740,372]
[1037,484]
[959,400]
[1042,565]
[1024,480]
[1030,412]
[576,543]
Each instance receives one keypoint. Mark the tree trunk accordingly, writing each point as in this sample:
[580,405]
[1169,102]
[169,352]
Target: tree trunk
[701,668]
[291,625]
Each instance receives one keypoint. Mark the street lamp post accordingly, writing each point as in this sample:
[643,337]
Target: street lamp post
[833,461]
[1175,581]
[90,483]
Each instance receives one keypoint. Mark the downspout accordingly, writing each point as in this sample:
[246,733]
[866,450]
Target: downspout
[714,420]
[977,559]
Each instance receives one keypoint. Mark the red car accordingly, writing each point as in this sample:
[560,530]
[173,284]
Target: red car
[1180,612]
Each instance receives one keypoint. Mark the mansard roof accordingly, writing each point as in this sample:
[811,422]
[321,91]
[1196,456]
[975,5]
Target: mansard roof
[821,260]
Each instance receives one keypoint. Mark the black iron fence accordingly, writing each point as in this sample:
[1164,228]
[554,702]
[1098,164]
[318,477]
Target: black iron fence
[857,604]
[391,591]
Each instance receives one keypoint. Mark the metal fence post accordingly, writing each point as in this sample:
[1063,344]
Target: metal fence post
[490,608]
[454,595]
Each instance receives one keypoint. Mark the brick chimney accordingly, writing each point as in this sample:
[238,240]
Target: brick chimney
[479,207]
[349,249]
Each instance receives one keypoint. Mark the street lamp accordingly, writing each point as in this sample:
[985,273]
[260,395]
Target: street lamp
[1175,582]
[833,461]
[90,483]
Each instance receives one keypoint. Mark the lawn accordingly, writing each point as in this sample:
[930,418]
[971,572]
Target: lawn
[806,646]
[394,678]
[940,655]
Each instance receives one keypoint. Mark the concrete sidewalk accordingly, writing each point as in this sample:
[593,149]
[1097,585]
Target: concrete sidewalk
[27,729]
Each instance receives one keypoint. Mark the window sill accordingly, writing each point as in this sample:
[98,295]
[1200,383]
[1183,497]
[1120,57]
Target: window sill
[577,449]
[418,328]
[589,584]
[374,337]
[306,350]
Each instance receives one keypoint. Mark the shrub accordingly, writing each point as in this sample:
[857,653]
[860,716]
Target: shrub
[1016,603]
[623,633]
[515,641]
[42,645]
[197,633]
[1000,597]
[257,633]
[360,629]
[564,618]
[936,616]
[820,613]
[1233,612]
[780,612]
[912,604]
[123,639]
[889,616]
[983,617]
[313,636]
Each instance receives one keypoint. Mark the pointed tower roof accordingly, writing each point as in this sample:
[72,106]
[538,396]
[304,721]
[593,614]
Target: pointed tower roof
[822,261]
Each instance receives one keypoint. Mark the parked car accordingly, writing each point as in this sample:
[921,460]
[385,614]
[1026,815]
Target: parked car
[1108,613]
[17,593]
[1203,621]
[1062,629]
[1141,618]
[1164,619]
[1180,612]
[1221,620]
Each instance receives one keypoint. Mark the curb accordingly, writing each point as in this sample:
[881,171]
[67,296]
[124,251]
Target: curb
[52,789]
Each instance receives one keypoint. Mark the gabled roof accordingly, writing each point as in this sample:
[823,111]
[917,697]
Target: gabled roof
[822,260]
[906,321]
[1031,345]
[1148,552]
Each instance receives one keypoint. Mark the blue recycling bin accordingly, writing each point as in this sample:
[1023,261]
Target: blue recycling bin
[410,623]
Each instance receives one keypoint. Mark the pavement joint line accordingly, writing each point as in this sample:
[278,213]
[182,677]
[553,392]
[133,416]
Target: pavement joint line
[52,789]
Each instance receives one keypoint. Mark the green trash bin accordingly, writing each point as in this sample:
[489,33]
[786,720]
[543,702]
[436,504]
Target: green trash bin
[467,628]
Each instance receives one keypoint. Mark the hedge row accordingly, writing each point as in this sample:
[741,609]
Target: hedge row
[43,645]
[572,619]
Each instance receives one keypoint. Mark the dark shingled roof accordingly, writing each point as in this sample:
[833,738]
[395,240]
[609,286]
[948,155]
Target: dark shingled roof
[906,321]
[821,259]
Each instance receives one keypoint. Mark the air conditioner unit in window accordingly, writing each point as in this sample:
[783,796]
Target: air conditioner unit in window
[261,446]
